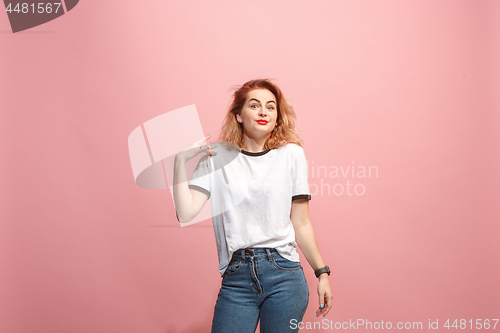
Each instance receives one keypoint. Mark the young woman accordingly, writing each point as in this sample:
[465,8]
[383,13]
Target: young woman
[261,199]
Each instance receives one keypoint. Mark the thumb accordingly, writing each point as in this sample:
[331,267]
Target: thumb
[322,301]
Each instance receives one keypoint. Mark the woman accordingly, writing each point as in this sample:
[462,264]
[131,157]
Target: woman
[262,199]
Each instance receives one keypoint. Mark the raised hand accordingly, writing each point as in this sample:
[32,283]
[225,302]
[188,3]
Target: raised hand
[195,148]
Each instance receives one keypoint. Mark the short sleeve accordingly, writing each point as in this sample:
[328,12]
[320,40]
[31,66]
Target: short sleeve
[300,184]
[200,180]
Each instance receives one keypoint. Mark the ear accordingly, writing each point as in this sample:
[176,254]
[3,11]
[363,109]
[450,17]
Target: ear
[238,118]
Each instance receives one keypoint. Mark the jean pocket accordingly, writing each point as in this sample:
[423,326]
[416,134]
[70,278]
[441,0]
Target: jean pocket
[233,267]
[285,264]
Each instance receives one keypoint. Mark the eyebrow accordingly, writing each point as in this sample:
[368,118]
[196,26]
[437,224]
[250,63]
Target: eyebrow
[255,99]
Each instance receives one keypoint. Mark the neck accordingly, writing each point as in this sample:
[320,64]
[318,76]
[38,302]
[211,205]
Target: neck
[254,145]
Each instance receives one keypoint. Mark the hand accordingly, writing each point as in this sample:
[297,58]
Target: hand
[194,149]
[325,295]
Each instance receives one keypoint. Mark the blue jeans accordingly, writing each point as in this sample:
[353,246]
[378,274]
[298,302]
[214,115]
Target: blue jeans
[260,283]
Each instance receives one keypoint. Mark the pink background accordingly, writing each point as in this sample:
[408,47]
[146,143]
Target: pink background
[410,87]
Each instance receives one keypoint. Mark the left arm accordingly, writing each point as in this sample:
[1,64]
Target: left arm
[305,238]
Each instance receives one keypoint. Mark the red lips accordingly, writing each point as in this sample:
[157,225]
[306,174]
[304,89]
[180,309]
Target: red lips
[262,122]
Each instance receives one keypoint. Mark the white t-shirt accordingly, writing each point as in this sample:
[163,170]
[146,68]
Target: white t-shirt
[252,196]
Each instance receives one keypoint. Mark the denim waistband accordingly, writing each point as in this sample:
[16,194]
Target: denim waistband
[254,252]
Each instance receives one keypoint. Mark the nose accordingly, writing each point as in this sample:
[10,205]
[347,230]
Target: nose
[262,112]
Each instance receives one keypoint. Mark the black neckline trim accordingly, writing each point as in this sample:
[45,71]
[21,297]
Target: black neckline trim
[255,154]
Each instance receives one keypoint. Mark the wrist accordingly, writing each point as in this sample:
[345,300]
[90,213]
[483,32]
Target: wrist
[322,271]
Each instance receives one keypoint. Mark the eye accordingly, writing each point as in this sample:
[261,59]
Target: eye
[271,107]
[253,105]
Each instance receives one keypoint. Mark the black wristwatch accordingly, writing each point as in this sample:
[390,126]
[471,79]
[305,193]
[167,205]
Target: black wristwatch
[322,270]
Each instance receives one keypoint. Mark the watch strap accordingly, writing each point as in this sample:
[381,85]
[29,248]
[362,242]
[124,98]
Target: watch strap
[322,270]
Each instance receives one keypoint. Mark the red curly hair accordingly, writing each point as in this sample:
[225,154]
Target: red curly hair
[285,132]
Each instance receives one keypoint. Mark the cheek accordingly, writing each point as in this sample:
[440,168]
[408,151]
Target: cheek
[247,113]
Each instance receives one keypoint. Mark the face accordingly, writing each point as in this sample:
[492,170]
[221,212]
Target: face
[259,114]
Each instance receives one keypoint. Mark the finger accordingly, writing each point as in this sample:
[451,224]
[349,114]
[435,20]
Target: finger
[204,139]
[212,153]
[204,147]
[328,310]
[321,301]
[327,307]
[208,149]
[330,302]
[319,311]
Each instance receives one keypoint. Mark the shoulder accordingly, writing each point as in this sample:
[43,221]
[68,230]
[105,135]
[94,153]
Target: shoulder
[293,152]
[293,149]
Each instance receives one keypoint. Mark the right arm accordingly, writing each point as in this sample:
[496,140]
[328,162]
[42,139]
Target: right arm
[188,202]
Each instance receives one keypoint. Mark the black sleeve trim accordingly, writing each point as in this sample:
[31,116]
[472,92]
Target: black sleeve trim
[301,196]
[201,189]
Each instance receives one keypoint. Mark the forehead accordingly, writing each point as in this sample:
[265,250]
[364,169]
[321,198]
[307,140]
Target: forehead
[262,95]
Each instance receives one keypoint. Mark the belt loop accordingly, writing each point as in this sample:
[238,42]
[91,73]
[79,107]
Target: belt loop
[250,251]
[243,254]
[269,255]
